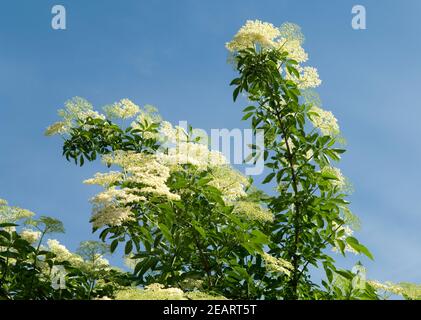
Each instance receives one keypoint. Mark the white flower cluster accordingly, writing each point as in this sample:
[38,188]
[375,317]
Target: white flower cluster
[277,264]
[75,110]
[324,120]
[286,39]
[195,154]
[152,176]
[62,253]
[177,150]
[148,172]
[293,48]
[146,175]
[252,33]
[9,214]
[387,287]
[30,235]
[105,179]
[172,135]
[339,180]
[148,115]
[156,291]
[110,215]
[114,196]
[123,109]
[95,262]
[309,77]
[230,182]
[347,232]
[252,211]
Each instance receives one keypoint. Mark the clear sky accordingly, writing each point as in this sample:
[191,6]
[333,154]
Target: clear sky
[171,54]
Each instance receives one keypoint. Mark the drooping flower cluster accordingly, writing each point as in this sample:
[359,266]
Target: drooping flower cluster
[148,173]
[387,287]
[324,120]
[111,215]
[143,174]
[408,290]
[105,179]
[277,264]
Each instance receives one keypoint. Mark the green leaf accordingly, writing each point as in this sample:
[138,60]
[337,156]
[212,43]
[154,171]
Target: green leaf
[365,251]
[166,232]
[5,225]
[113,245]
[269,178]
[354,243]
[199,229]
[235,93]
[128,248]
[247,115]
[249,108]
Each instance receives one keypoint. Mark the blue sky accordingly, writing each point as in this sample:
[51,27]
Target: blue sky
[171,54]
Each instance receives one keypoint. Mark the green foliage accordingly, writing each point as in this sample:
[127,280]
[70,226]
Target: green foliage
[310,207]
[199,229]
[26,270]
[196,237]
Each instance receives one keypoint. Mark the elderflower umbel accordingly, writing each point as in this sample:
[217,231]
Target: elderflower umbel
[105,179]
[254,32]
[347,232]
[252,211]
[110,215]
[324,120]
[30,235]
[293,48]
[62,253]
[116,196]
[172,135]
[387,287]
[13,214]
[309,77]
[277,264]
[75,109]
[195,154]
[339,181]
[122,109]
[230,182]
[146,170]
[154,291]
